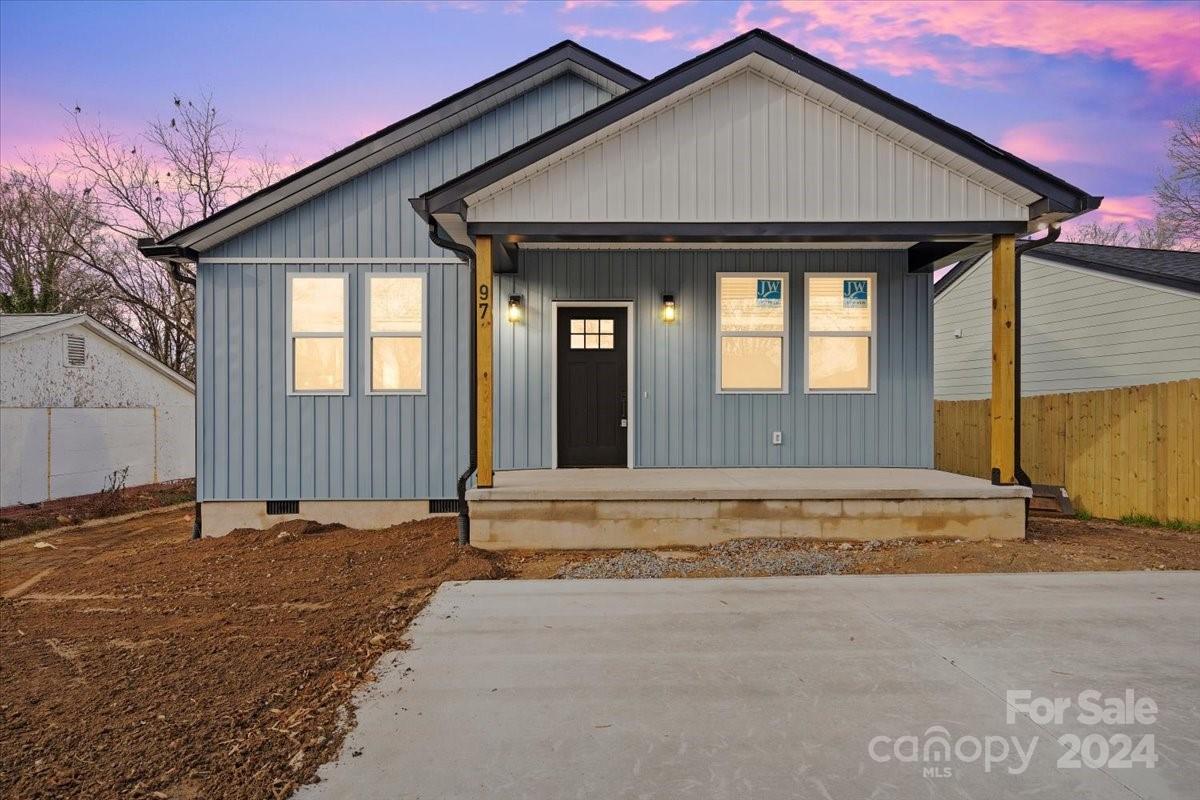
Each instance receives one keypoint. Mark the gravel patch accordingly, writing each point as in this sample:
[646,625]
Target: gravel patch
[740,557]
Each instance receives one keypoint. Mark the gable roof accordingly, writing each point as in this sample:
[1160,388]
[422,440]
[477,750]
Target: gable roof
[395,139]
[15,327]
[11,325]
[1056,197]
[1177,269]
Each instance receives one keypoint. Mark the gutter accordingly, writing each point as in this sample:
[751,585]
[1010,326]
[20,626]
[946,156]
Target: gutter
[464,518]
[1023,247]
[172,255]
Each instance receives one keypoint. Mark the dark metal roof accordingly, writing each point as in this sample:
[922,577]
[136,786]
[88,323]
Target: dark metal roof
[1178,269]
[1059,196]
[265,199]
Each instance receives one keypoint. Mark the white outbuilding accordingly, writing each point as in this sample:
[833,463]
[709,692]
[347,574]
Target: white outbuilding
[80,404]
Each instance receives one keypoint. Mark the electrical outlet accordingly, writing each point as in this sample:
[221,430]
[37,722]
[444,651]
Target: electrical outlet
[777,437]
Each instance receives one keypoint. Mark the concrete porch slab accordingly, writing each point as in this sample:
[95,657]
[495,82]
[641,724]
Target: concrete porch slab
[755,483]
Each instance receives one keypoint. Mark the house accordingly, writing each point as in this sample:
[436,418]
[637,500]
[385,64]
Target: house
[80,406]
[1092,317]
[712,289]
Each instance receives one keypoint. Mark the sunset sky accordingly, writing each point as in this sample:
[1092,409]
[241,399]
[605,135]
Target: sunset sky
[1083,89]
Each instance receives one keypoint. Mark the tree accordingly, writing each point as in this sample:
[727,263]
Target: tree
[1176,223]
[176,172]
[1156,234]
[39,271]
[1178,190]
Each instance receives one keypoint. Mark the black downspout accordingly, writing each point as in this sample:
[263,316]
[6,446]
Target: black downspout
[179,275]
[1023,247]
[464,518]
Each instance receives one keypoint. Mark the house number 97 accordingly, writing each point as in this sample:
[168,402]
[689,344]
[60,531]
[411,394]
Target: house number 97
[484,292]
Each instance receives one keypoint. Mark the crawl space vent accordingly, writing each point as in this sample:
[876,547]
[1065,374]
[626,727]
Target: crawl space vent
[76,350]
[443,506]
[283,507]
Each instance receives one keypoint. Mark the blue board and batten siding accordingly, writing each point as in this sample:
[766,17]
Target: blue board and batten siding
[680,420]
[260,443]
[255,441]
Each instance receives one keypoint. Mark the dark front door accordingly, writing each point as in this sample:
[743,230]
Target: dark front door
[593,390]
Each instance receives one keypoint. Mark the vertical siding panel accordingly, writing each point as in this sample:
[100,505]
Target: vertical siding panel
[776,155]
[686,142]
[813,164]
[722,153]
[831,195]
[742,143]
[249,345]
[432,443]
[668,148]
[679,392]
[703,167]
[759,139]
[205,420]
[651,166]
[220,376]
[277,275]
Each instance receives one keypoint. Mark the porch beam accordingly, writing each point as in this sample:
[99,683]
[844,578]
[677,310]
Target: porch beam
[484,308]
[909,232]
[1005,341]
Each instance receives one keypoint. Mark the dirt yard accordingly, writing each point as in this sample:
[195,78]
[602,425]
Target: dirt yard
[138,663]
[22,520]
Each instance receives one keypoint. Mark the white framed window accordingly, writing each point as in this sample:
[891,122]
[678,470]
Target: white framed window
[395,332]
[318,313]
[839,332]
[752,332]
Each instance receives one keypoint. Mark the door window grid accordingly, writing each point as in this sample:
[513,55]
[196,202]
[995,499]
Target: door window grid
[592,334]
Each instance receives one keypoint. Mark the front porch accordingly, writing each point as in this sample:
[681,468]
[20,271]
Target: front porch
[616,508]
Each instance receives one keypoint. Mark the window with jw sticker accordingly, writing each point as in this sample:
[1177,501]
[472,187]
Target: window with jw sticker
[770,292]
[854,294]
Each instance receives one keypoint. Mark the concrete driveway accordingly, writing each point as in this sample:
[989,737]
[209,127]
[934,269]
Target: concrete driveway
[784,687]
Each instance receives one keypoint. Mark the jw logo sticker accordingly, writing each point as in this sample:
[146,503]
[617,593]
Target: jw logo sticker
[770,293]
[854,294]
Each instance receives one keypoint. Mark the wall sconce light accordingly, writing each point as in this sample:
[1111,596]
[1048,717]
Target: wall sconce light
[668,308]
[515,312]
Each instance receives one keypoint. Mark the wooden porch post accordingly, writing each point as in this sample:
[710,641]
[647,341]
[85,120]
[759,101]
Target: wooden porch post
[1004,349]
[484,307]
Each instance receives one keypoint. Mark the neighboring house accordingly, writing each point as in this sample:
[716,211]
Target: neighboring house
[79,403]
[1092,317]
[725,267]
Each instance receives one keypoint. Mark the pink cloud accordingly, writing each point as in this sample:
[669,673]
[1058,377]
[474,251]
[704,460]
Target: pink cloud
[1105,142]
[1160,40]
[739,24]
[572,5]
[659,6]
[1039,142]
[654,34]
[1130,209]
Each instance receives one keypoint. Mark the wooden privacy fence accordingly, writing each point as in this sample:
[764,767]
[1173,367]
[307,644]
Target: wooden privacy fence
[1133,450]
